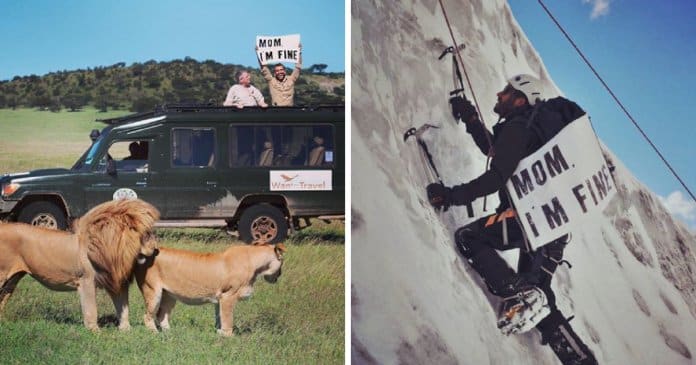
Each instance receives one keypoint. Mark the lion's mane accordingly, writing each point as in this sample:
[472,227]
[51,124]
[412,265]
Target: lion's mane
[112,234]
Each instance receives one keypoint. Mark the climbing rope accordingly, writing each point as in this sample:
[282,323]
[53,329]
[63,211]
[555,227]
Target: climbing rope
[461,62]
[490,153]
[577,49]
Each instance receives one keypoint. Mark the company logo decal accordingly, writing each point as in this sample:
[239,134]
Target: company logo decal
[125,193]
[288,178]
[300,180]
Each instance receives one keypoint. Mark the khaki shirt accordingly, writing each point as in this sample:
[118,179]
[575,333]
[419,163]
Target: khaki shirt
[282,92]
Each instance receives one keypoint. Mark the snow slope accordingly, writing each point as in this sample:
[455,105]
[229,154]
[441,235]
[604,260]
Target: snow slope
[632,287]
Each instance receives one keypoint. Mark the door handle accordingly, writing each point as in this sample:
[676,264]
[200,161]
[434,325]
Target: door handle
[211,183]
[141,183]
[101,185]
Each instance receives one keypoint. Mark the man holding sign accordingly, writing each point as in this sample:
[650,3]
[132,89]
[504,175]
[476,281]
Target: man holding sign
[277,49]
[526,124]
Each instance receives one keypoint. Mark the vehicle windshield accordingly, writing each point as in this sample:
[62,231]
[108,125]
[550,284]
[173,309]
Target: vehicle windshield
[93,151]
[88,157]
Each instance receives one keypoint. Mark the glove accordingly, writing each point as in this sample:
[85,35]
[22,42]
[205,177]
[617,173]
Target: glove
[462,109]
[439,196]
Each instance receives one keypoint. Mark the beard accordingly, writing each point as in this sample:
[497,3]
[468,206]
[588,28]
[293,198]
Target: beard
[503,109]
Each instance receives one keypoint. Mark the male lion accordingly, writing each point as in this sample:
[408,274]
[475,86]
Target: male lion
[101,253]
[198,278]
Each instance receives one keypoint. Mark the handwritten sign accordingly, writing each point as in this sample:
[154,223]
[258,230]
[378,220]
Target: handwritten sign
[565,184]
[274,49]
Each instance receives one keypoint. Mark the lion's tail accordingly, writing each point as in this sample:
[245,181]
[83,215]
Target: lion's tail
[112,233]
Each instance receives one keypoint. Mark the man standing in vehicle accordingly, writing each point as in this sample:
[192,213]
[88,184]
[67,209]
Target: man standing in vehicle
[281,86]
[243,93]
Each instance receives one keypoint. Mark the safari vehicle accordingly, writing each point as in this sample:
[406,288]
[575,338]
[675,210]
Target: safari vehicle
[261,172]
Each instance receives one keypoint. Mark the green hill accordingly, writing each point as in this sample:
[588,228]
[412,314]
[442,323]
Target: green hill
[140,86]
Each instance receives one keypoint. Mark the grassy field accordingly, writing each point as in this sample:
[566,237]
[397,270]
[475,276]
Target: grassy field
[32,139]
[298,320]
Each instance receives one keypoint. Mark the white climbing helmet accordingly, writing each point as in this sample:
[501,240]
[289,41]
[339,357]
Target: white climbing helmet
[529,85]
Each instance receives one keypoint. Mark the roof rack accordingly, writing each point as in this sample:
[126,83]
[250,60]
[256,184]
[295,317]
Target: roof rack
[209,107]
[126,118]
[192,107]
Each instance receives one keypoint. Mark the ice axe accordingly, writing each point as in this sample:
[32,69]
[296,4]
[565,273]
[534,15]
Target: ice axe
[456,74]
[431,170]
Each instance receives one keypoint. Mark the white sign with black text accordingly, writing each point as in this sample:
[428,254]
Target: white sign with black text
[274,49]
[300,180]
[562,185]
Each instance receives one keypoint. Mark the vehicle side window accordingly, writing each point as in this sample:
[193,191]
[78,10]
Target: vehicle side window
[193,147]
[128,156]
[321,147]
[281,146]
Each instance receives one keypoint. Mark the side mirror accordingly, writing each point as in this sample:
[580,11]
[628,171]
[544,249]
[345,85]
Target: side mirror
[111,167]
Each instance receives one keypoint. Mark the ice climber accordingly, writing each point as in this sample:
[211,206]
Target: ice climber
[525,124]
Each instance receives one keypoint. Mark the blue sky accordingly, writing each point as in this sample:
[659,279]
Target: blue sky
[643,48]
[645,51]
[40,36]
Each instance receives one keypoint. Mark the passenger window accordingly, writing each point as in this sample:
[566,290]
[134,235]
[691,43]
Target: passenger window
[129,156]
[281,146]
[321,152]
[241,146]
[193,147]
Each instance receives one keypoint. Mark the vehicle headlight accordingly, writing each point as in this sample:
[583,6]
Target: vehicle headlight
[9,189]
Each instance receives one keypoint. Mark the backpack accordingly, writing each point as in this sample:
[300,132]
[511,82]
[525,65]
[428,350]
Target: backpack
[550,116]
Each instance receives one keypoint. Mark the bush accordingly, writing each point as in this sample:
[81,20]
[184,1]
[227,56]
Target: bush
[145,103]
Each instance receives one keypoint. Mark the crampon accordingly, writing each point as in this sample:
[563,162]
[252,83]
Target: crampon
[522,311]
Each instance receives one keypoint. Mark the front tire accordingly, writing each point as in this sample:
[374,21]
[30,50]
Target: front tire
[43,214]
[263,222]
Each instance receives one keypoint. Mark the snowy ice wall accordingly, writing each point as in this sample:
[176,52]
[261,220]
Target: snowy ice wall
[632,286]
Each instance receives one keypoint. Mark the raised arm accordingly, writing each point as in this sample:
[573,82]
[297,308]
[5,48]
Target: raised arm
[265,72]
[298,66]
[463,110]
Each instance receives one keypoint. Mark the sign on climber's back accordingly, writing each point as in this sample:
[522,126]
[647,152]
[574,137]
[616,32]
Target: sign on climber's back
[562,185]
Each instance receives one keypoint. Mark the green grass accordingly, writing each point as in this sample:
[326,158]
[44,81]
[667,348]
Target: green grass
[31,139]
[298,320]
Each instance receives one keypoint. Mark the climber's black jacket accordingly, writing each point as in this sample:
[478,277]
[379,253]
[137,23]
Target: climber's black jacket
[513,138]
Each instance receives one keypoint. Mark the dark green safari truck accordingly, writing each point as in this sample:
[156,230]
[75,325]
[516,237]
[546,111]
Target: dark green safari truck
[261,172]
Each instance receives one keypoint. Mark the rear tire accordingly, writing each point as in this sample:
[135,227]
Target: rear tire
[263,222]
[43,214]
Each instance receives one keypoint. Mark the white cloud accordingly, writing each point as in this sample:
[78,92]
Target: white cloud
[681,206]
[599,8]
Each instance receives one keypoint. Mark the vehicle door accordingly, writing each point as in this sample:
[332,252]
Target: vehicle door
[190,179]
[124,171]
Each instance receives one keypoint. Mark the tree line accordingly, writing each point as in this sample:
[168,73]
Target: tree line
[141,86]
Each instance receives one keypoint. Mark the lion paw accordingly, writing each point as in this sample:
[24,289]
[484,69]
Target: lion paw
[226,333]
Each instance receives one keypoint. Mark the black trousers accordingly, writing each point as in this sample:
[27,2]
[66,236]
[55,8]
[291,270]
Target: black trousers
[478,243]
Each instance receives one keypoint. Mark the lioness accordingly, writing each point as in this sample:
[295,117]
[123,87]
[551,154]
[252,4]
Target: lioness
[101,253]
[198,278]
